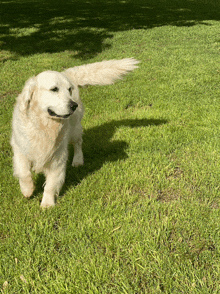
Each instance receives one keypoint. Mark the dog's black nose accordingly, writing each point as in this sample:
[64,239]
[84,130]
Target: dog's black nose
[73,105]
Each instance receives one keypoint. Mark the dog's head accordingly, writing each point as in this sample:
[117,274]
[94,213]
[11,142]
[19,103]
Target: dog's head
[52,93]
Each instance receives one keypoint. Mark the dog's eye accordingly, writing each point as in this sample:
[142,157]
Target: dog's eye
[71,90]
[55,89]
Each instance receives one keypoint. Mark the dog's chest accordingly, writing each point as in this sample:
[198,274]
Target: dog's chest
[46,141]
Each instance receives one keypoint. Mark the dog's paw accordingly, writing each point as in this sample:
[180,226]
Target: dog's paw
[27,189]
[47,201]
[47,204]
[77,161]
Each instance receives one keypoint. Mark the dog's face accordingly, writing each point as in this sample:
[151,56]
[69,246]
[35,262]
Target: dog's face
[52,93]
[55,94]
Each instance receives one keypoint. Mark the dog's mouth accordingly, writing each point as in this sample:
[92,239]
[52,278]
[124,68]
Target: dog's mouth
[54,114]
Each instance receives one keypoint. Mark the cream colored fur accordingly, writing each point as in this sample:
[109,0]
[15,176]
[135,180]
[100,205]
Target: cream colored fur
[45,121]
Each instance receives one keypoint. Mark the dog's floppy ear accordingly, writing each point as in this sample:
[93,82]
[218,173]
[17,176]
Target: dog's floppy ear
[101,73]
[26,95]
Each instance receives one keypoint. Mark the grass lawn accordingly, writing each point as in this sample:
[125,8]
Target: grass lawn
[143,214]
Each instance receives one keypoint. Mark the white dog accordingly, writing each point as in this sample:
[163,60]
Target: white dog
[47,116]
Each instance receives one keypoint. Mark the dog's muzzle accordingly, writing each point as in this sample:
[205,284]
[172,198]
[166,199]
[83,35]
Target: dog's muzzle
[72,105]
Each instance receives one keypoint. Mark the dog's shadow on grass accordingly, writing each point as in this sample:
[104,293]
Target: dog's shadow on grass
[98,148]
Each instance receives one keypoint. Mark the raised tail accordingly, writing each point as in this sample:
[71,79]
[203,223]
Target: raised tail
[101,73]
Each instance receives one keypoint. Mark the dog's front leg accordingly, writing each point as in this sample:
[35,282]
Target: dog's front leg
[78,154]
[22,170]
[77,143]
[54,181]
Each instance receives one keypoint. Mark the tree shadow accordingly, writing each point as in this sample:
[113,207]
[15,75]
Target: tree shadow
[29,27]
[98,148]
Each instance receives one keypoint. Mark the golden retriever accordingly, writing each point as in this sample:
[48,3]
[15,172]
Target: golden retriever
[47,116]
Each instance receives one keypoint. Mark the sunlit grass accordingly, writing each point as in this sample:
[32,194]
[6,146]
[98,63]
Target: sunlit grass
[142,215]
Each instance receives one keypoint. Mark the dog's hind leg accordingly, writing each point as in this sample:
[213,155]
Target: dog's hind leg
[22,170]
[55,178]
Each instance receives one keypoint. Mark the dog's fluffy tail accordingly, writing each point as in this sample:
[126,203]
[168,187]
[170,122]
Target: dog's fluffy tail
[101,73]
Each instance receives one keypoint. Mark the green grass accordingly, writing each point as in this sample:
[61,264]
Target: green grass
[142,215]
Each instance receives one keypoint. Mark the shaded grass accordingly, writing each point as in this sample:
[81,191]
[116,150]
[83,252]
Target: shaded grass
[142,214]
[85,28]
